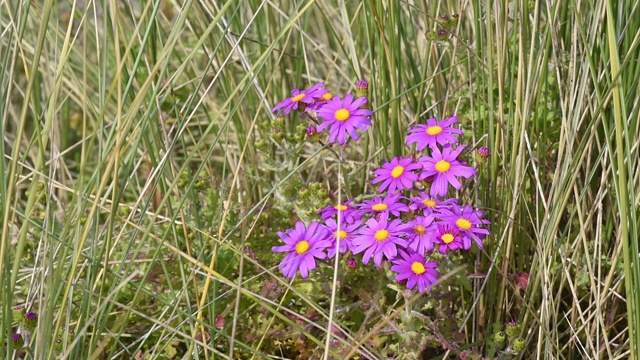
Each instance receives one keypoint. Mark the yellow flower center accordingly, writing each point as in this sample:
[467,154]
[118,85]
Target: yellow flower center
[380,207]
[298,97]
[463,223]
[419,230]
[381,235]
[302,247]
[325,97]
[443,166]
[418,268]
[447,238]
[341,207]
[428,202]
[397,171]
[340,234]
[434,130]
[343,115]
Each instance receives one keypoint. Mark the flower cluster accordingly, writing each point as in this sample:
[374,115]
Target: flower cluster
[405,222]
[342,116]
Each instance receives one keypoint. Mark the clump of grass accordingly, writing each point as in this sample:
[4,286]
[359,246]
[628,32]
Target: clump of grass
[145,185]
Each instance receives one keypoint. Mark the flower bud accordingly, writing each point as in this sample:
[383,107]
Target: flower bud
[453,20]
[430,35]
[311,130]
[298,138]
[30,321]
[513,329]
[322,193]
[482,154]
[351,264]
[278,134]
[362,88]
[264,124]
[313,134]
[500,338]
[303,194]
[442,35]
[17,340]
[518,345]
[278,122]
[19,311]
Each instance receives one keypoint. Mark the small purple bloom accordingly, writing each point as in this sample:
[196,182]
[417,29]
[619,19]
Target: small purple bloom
[416,270]
[483,152]
[449,238]
[344,117]
[352,264]
[390,204]
[467,221]
[429,204]
[345,235]
[306,97]
[397,174]
[304,245]
[362,85]
[445,168]
[419,234]
[380,237]
[434,132]
[311,130]
[346,210]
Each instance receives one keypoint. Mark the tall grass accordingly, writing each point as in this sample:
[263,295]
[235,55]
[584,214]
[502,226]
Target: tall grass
[133,194]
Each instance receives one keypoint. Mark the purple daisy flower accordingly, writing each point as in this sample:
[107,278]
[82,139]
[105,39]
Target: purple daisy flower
[433,132]
[397,174]
[467,221]
[306,97]
[345,235]
[320,102]
[449,238]
[344,117]
[347,211]
[419,233]
[445,168]
[304,245]
[429,204]
[416,270]
[380,237]
[390,204]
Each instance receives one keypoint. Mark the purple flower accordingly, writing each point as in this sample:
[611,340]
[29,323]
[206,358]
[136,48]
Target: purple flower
[434,132]
[429,204]
[467,221]
[345,209]
[416,270]
[390,204]
[304,245]
[397,174]
[380,237]
[320,101]
[445,168]
[352,264]
[483,152]
[449,238]
[344,117]
[345,235]
[298,97]
[419,233]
